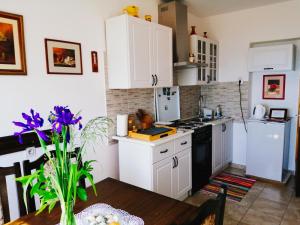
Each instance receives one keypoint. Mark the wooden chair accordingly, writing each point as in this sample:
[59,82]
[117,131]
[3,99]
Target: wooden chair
[29,166]
[4,172]
[211,212]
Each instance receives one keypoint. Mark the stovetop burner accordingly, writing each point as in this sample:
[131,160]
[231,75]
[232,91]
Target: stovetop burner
[191,124]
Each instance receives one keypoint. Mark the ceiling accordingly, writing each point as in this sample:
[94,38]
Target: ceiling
[204,8]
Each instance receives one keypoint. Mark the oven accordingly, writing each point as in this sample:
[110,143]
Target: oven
[201,157]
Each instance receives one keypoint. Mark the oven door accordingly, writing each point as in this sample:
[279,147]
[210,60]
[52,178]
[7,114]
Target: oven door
[201,161]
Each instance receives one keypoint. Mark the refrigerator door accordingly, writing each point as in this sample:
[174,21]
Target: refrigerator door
[167,103]
[265,149]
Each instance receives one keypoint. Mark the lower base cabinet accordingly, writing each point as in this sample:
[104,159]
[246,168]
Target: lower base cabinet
[165,169]
[172,176]
[221,146]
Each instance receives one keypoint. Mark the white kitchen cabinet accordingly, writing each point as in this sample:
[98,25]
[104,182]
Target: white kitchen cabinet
[139,53]
[227,129]
[221,145]
[206,52]
[163,176]
[273,58]
[182,174]
[162,166]
[217,148]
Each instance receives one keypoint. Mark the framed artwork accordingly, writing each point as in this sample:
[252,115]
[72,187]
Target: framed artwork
[12,48]
[63,57]
[274,87]
[278,114]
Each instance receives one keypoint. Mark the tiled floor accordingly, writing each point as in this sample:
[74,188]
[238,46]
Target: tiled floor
[264,204]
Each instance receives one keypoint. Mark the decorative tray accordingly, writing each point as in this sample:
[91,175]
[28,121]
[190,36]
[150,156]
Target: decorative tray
[99,211]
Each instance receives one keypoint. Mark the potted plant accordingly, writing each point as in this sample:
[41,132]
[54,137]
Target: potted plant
[58,180]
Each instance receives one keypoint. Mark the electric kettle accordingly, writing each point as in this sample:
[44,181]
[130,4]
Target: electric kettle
[259,112]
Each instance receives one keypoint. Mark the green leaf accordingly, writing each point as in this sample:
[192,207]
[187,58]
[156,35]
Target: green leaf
[81,192]
[41,209]
[51,205]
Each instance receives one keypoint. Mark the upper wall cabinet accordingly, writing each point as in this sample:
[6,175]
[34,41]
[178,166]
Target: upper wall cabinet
[206,52]
[274,58]
[139,53]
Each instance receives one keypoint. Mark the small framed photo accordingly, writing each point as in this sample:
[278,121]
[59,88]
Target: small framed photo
[274,87]
[63,57]
[12,47]
[278,114]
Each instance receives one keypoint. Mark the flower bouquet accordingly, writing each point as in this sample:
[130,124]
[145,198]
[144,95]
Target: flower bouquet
[58,181]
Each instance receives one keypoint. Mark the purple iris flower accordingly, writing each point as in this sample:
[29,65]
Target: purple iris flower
[62,116]
[33,122]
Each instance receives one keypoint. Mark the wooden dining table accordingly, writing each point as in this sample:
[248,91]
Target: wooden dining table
[153,208]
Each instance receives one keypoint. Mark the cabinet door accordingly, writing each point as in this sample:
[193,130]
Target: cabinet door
[279,57]
[140,53]
[212,69]
[162,55]
[217,148]
[182,174]
[163,174]
[228,142]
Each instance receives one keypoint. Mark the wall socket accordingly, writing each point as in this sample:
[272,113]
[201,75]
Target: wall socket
[30,152]
[240,80]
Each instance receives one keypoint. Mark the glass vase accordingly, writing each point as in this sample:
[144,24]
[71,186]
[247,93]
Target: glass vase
[67,214]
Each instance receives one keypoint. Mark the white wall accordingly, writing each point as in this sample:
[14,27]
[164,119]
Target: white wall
[72,20]
[235,31]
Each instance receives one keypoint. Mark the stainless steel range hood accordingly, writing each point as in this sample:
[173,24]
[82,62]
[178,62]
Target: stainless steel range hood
[174,14]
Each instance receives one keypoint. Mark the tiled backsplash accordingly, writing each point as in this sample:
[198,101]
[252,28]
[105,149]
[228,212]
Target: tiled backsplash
[128,101]
[189,101]
[226,94]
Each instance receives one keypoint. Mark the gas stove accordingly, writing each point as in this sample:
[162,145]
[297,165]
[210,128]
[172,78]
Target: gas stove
[191,124]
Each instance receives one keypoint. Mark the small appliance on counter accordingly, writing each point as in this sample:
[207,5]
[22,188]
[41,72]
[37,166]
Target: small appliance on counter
[259,112]
[208,113]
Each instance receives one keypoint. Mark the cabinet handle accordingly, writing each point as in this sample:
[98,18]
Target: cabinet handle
[165,151]
[156,79]
[268,68]
[174,162]
[153,80]
[224,127]
[184,143]
[176,159]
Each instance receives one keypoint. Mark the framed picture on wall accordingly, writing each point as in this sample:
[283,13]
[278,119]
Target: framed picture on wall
[63,57]
[12,48]
[274,87]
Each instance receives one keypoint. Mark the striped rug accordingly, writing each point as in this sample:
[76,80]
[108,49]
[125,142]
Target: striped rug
[238,186]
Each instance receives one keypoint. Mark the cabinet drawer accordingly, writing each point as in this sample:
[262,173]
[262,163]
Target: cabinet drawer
[183,143]
[163,151]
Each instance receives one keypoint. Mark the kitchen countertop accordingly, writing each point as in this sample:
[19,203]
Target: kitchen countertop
[180,133]
[220,121]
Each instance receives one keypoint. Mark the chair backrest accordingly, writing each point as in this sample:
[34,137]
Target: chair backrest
[4,172]
[211,212]
[29,166]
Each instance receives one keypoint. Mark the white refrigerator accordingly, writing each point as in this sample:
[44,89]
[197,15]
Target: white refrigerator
[268,149]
